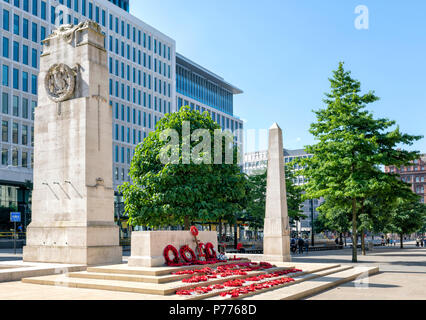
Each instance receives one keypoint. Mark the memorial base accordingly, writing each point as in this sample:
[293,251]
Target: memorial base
[147,246]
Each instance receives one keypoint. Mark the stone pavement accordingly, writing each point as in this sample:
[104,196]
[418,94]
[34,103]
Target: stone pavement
[402,274]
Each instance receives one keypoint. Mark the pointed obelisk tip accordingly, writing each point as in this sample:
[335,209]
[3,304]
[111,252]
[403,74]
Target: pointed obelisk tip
[275,126]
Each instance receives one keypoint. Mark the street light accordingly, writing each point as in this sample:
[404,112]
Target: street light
[312,223]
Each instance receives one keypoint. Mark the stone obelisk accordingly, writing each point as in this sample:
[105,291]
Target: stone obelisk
[276,239]
[73,196]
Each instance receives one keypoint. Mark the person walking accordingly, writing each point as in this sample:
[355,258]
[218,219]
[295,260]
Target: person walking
[300,244]
[306,245]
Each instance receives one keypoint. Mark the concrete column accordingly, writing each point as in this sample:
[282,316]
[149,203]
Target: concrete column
[276,241]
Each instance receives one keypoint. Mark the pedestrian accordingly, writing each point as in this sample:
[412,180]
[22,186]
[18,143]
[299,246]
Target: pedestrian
[337,241]
[421,242]
[300,244]
[418,242]
[306,245]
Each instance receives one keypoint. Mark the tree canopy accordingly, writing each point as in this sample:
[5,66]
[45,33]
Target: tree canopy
[351,149]
[191,185]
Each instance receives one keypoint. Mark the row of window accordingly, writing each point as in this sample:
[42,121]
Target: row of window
[224,122]
[134,116]
[10,156]
[13,138]
[199,88]
[23,30]
[18,55]
[123,174]
[20,80]
[20,107]
[138,97]
[122,154]
[159,67]
[413,179]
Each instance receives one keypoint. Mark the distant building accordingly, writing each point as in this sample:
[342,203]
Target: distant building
[414,174]
[255,162]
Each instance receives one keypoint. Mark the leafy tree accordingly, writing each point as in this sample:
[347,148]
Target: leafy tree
[351,148]
[174,193]
[408,217]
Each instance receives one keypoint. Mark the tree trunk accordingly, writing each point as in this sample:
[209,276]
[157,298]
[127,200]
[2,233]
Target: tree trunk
[354,232]
[220,230]
[363,242]
[402,241]
[341,238]
[186,223]
[345,238]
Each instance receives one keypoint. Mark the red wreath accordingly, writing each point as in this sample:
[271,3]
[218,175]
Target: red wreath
[194,231]
[201,250]
[185,251]
[209,250]
[166,254]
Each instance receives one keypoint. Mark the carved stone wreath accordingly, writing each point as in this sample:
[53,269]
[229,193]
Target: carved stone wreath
[60,82]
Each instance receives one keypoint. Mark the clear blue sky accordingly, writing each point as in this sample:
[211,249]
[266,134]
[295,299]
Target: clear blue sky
[282,52]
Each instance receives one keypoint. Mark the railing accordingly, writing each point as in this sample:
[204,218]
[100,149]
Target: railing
[9,235]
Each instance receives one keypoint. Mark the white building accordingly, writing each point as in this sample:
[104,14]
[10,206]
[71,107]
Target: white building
[142,82]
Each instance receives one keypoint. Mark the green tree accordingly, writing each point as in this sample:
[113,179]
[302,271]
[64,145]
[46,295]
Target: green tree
[408,217]
[174,193]
[351,148]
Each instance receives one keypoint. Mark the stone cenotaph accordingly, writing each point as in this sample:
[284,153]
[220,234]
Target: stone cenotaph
[276,239]
[73,196]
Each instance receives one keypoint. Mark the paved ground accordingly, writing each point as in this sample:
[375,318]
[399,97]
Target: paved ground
[402,276]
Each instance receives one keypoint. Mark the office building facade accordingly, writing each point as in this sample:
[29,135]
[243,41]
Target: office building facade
[142,81]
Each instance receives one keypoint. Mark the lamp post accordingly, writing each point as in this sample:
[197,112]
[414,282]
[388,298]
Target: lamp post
[312,223]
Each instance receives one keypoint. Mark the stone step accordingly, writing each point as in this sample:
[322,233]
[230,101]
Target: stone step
[300,277]
[155,271]
[120,284]
[314,286]
[128,277]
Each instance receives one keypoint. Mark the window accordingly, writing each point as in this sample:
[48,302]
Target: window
[25,81]
[15,51]
[33,84]
[15,106]
[5,75]
[43,10]
[25,159]
[5,47]
[34,35]
[25,27]
[15,130]
[16,24]
[25,108]
[5,157]
[5,20]
[35,7]
[5,131]
[5,103]
[52,15]
[25,54]
[15,157]
[16,79]
[24,135]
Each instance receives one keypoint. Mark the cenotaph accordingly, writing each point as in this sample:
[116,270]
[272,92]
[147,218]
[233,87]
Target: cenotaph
[73,196]
[276,239]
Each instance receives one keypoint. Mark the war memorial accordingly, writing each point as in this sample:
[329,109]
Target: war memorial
[72,239]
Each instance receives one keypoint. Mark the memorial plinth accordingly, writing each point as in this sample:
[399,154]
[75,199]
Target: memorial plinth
[276,241]
[73,196]
[148,246]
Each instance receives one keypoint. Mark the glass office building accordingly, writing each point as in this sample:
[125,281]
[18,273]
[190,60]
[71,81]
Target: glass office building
[142,82]
[202,90]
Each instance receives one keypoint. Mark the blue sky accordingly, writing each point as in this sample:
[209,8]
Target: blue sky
[282,52]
